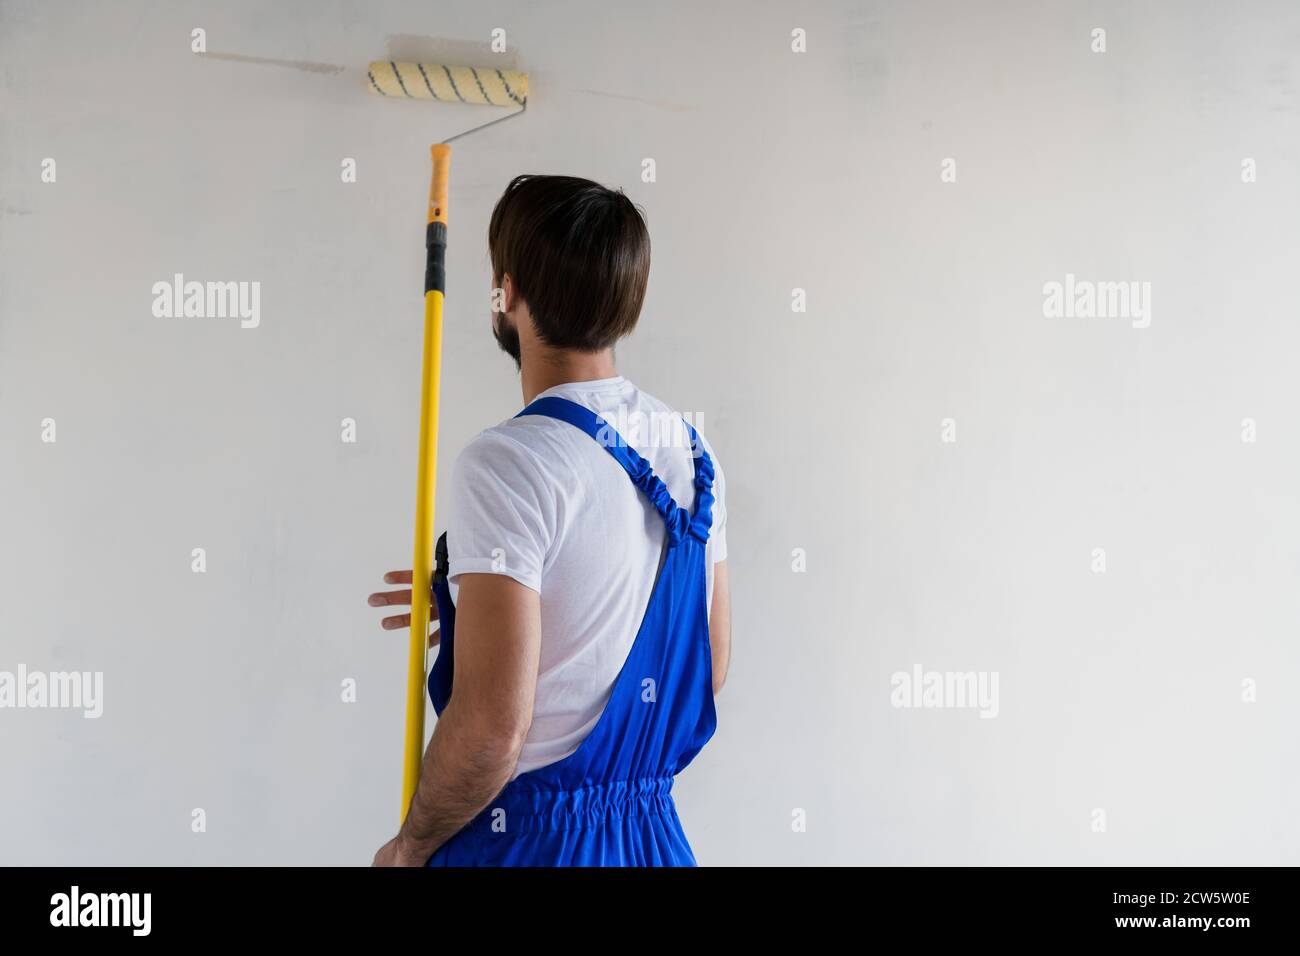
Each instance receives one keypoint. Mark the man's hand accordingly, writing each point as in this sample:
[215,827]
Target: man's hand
[396,852]
[401,599]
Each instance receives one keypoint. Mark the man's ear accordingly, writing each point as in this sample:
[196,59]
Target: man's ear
[507,293]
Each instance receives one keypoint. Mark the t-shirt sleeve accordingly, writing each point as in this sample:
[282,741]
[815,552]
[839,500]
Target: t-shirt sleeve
[501,513]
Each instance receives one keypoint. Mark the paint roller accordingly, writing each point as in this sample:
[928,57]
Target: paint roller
[448,84]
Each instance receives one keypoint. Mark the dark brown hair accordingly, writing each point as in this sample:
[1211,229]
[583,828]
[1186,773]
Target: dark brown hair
[577,253]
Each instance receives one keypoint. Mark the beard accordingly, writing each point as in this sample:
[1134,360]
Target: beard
[507,337]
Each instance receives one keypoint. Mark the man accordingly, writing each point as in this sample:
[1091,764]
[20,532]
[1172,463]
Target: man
[586,540]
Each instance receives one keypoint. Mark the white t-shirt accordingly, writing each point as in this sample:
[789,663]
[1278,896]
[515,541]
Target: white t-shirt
[543,502]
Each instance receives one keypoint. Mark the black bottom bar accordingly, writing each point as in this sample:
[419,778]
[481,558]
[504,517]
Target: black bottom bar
[926,906]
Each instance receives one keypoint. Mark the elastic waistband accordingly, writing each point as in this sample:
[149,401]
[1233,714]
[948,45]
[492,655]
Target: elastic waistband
[529,808]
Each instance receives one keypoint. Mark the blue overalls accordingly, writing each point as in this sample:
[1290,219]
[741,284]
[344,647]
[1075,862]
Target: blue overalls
[609,803]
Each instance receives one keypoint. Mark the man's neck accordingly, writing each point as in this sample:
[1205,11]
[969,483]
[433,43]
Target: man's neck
[545,368]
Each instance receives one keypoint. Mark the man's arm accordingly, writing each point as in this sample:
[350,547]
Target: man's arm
[720,625]
[477,740]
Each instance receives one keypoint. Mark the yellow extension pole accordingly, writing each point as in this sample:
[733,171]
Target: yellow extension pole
[426,479]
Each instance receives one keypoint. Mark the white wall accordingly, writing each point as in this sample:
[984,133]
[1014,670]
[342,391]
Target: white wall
[776,170]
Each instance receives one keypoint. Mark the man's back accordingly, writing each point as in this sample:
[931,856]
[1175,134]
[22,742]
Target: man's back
[536,499]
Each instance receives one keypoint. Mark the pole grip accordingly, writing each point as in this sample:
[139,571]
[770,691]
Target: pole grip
[438,186]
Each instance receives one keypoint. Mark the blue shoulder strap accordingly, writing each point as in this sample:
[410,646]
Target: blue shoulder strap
[677,520]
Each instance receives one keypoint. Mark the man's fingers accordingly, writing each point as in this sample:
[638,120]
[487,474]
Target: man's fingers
[400,598]
[386,598]
[403,622]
